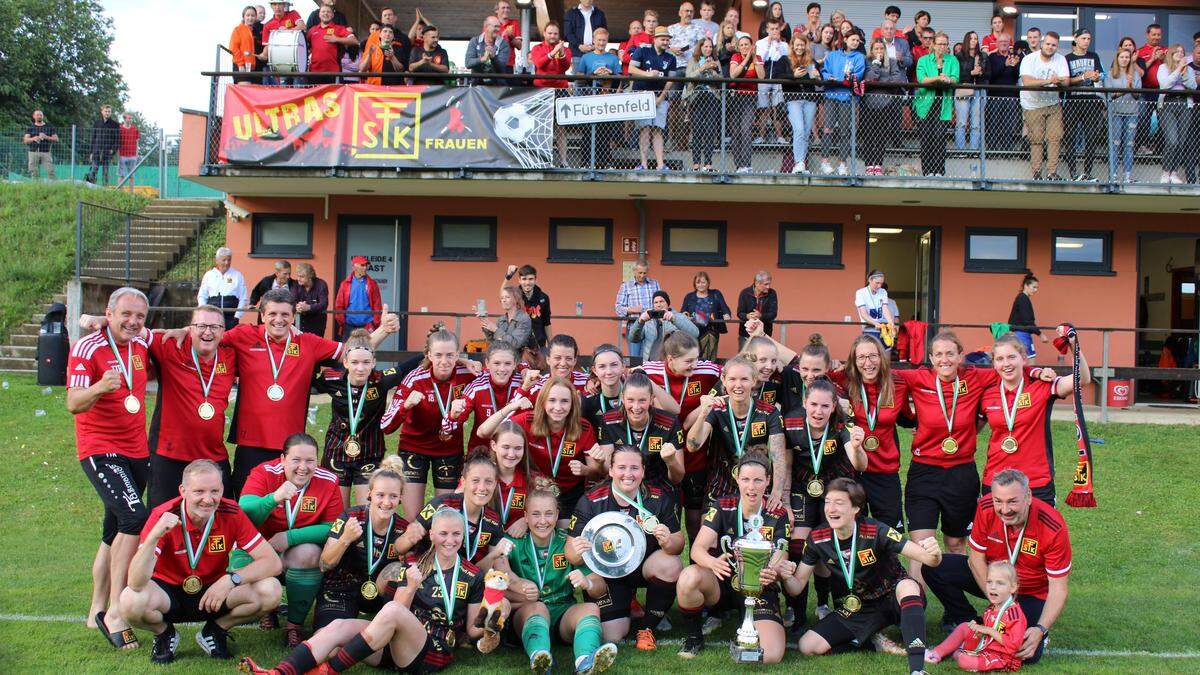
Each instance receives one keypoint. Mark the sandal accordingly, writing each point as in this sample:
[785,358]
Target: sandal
[122,639]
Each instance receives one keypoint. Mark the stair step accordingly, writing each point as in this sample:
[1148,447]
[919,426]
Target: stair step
[177,211]
[23,340]
[143,249]
[212,203]
[15,363]
[21,352]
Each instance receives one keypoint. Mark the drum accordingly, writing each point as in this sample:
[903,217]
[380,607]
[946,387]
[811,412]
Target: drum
[287,51]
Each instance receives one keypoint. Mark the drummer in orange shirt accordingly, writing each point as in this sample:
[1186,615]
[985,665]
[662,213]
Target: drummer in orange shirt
[241,45]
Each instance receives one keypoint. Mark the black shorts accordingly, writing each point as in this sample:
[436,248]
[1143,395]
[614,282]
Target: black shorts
[185,606]
[120,481]
[166,475]
[1045,493]
[343,600]
[933,492]
[616,603]
[567,501]
[806,511]
[884,502]
[245,458]
[447,471]
[350,472]
[436,655]
[766,606]
[841,628]
[693,490]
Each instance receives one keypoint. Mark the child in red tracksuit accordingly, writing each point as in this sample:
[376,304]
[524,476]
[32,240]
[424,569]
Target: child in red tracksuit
[992,645]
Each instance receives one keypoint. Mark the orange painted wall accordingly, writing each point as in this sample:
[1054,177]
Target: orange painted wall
[191,143]
[752,242]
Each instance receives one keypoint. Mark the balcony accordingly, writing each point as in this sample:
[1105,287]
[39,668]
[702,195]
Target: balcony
[868,149]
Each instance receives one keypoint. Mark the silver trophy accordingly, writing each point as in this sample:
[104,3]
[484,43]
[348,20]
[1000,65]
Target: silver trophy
[751,554]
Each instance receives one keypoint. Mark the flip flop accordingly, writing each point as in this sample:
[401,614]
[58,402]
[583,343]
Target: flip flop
[119,639]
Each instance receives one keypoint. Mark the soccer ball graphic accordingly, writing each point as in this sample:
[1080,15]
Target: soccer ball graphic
[514,123]
[526,128]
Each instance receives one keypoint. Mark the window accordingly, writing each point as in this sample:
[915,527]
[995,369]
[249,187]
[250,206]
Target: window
[995,250]
[581,240]
[1081,252]
[810,245]
[464,238]
[690,242]
[282,235]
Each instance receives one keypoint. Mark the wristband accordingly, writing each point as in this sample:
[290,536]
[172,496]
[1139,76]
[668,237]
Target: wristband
[1045,631]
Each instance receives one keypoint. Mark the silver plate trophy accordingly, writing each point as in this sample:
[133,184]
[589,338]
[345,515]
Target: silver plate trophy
[618,544]
[751,554]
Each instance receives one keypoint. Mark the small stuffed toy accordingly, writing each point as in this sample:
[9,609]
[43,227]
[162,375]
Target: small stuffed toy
[492,610]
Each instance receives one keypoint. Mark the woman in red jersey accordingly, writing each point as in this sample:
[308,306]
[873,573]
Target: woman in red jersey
[490,391]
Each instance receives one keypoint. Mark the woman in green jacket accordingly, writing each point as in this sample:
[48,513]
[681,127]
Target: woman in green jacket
[938,68]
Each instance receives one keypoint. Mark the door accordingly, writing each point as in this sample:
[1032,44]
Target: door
[384,241]
[908,258]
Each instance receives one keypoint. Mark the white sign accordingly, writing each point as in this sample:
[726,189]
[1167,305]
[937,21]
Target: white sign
[636,105]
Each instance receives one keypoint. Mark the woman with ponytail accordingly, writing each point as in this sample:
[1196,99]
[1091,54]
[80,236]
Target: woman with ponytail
[491,390]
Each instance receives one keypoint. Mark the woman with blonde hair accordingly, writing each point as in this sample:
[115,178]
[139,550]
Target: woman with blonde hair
[801,100]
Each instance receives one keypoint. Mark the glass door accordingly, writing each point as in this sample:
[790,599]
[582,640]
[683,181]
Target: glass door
[384,242]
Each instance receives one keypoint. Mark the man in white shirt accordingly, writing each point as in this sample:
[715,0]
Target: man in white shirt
[1043,109]
[774,53]
[224,287]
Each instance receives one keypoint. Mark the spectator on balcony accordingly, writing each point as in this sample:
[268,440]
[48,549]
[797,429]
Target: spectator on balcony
[726,44]
[261,12]
[429,56]
[244,47]
[579,23]
[635,296]
[104,138]
[747,66]
[684,35]
[897,47]
[260,17]
[848,28]
[280,279]
[1150,57]
[989,40]
[775,12]
[624,50]
[552,57]
[1003,121]
[704,108]
[601,62]
[225,287]
[39,138]
[920,50]
[967,101]
[358,303]
[283,18]
[824,44]
[1175,76]
[708,9]
[637,39]
[812,28]
[772,50]
[384,55]
[934,105]
[757,301]
[488,52]
[127,146]
[535,301]
[1192,159]
[801,100]
[890,13]
[846,65]
[651,63]
[706,307]
[312,300]
[1043,109]
[915,32]
[1031,43]
[401,45]
[836,19]
[1124,74]
[314,17]
[416,32]
[510,32]
[327,41]
[1084,114]
[881,109]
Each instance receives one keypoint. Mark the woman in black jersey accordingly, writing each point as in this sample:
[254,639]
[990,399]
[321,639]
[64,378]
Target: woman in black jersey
[656,433]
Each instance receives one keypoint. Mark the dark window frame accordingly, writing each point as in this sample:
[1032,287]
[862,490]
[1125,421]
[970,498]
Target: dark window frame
[717,259]
[441,252]
[574,255]
[260,250]
[1100,269]
[797,260]
[1018,266]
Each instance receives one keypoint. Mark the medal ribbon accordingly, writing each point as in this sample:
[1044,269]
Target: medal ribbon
[126,373]
[636,502]
[467,535]
[355,412]
[492,394]
[205,386]
[848,572]
[506,504]
[985,640]
[871,416]
[641,444]
[1013,553]
[443,407]
[372,561]
[1011,418]
[542,570]
[817,454]
[193,556]
[274,368]
[447,598]
[740,518]
[293,511]
[557,455]
[942,402]
[682,390]
[604,400]
[739,440]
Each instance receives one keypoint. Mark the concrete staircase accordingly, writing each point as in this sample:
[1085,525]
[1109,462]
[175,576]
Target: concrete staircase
[158,236]
[20,354]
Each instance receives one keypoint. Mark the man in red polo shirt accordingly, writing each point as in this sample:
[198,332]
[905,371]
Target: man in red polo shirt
[106,388]
[326,41]
[510,30]
[1010,524]
[179,572]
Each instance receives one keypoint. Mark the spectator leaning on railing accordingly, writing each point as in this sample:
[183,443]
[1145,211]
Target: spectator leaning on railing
[600,61]
[510,31]
[1084,114]
[384,55]
[967,101]
[1043,109]
[744,65]
[1003,66]
[773,51]
[801,100]
[242,45]
[429,57]
[1175,112]
[845,65]
[704,108]
[327,41]
[39,138]
[880,109]
[553,57]
[1123,74]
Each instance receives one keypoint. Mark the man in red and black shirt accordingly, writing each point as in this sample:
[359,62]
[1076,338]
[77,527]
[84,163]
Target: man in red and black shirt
[326,41]
[1010,524]
[127,146]
[106,386]
[179,572]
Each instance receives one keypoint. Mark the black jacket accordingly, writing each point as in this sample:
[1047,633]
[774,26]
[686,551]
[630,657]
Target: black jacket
[715,324]
[573,26]
[537,306]
[314,320]
[1020,317]
[106,135]
[260,289]
[767,306]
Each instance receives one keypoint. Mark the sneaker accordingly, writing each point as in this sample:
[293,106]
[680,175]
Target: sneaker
[842,170]
[585,665]
[799,168]
[292,637]
[1054,177]
[711,625]
[758,140]
[1085,177]
[822,611]
[1128,177]
[664,625]
[779,140]
[214,640]
[604,657]
[1176,180]
[826,167]
[541,662]
[1037,175]
[247,665]
[744,169]
[885,645]
[645,640]
[166,644]
[692,646]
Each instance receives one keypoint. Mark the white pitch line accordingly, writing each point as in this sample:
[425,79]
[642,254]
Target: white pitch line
[1119,653]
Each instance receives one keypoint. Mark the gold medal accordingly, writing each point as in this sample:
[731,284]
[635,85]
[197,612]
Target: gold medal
[192,585]
[275,392]
[648,524]
[852,603]
[949,446]
[206,411]
[871,443]
[132,405]
[1009,444]
[369,590]
[450,639]
[353,448]
[816,488]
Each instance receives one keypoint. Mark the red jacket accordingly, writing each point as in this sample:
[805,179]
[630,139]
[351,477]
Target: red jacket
[127,146]
[343,301]
[544,64]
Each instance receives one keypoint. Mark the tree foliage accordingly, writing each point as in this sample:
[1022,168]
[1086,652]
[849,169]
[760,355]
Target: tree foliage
[54,56]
